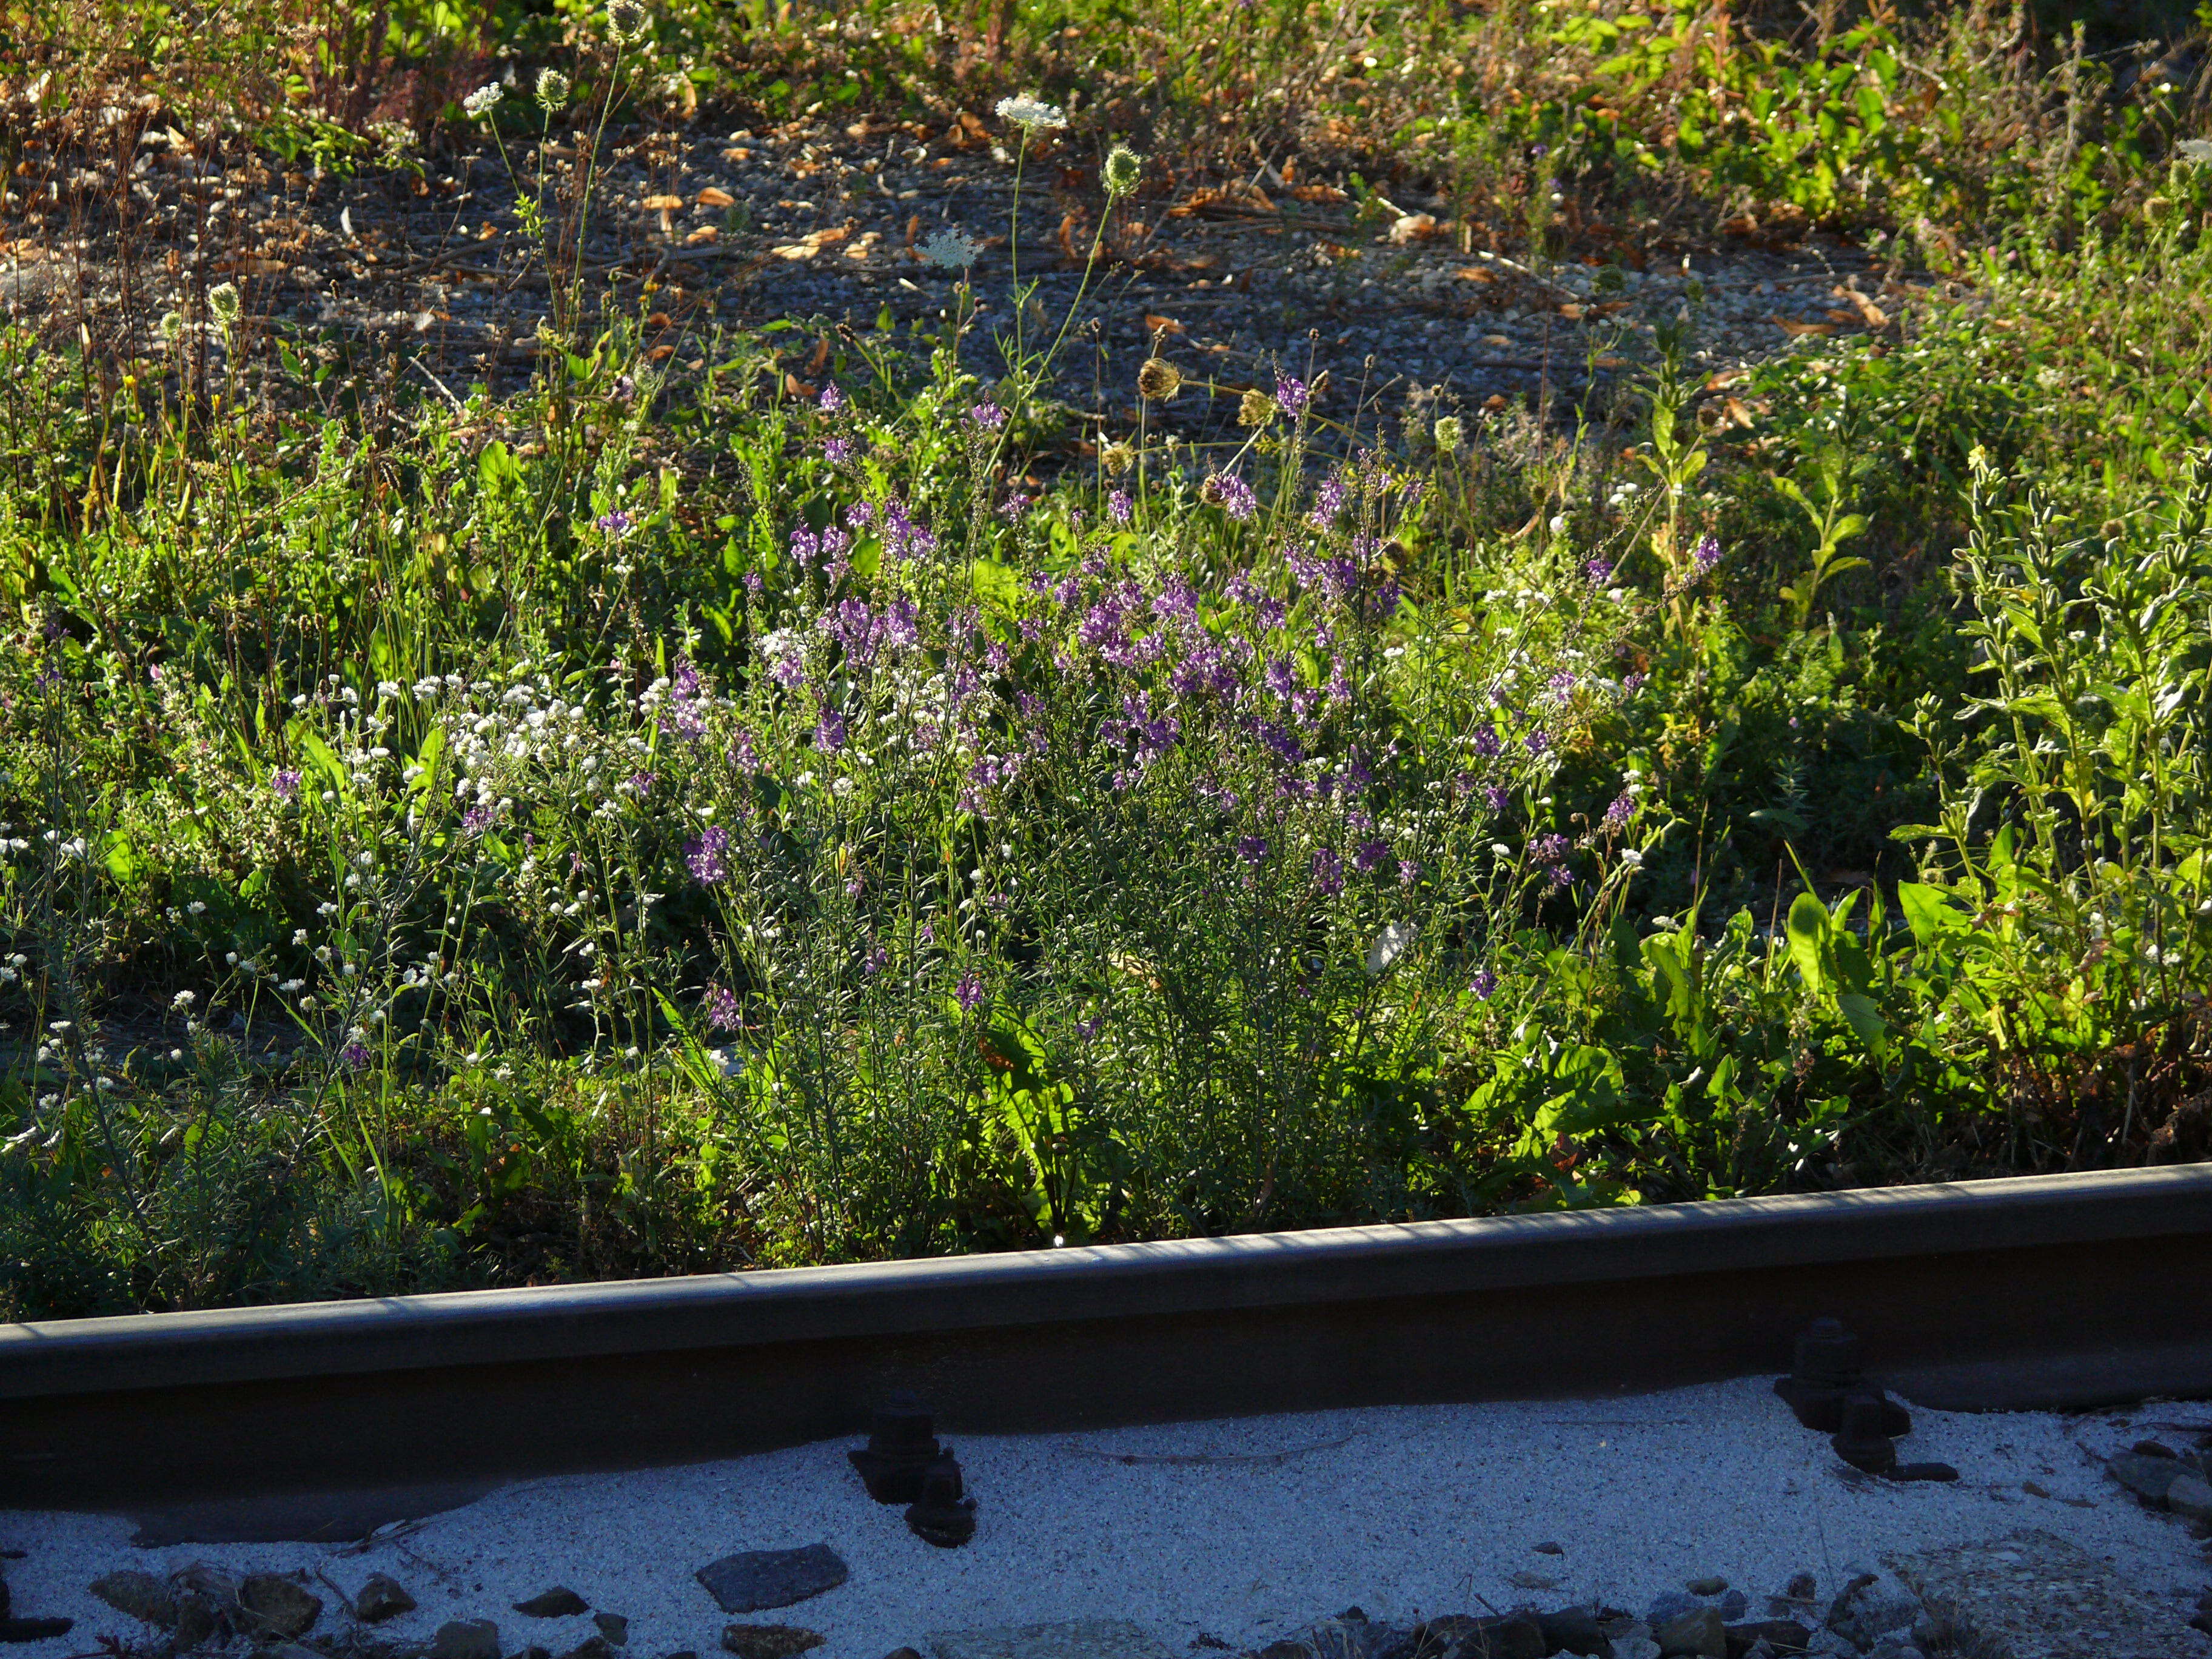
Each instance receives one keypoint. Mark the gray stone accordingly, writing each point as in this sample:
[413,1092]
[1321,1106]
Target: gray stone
[769,1641]
[198,1618]
[755,1579]
[381,1598]
[272,1603]
[1734,1605]
[2149,1477]
[1706,1586]
[1512,1636]
[1780,1635]
[2037,1596]
[561,1602]
[1079,1638]
[287,1650]
[591,1647]
[465,1639]
[1573,1630]
[141,1595]
[613,1627]
[1865,1613]
[2191,1495]
[1700,1634]
[1827,1644]
[1635,1645]
[1669,1604]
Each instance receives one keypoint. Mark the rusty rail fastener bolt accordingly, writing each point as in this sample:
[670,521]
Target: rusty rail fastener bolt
[1824,1370]
[942,1515]
[901,1449]
[1862,1441]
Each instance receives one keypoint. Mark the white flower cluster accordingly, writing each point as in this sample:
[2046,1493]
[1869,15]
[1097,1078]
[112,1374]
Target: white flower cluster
[1031,114]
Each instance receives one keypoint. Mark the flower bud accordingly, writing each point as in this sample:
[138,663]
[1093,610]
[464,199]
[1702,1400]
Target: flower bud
[1124,168]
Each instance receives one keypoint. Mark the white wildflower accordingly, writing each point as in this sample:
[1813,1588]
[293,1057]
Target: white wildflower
[949,250]
[1031,114]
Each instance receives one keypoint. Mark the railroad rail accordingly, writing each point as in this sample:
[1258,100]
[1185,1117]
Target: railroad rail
[2064,1291]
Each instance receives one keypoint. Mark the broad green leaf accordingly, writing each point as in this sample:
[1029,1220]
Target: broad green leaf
[1808,933]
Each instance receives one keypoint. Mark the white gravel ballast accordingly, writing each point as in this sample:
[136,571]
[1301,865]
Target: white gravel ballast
[1230,1533]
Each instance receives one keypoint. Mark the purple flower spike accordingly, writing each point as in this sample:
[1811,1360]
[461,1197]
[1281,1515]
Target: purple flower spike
[1237,500]
[1708,554]
[1484,985]
[708,857]
[615,524]
[832,400]
[988,416]
[1292,395]
[721,1009]
[970,992]
[1252,848]
[286,783]
[1119,507]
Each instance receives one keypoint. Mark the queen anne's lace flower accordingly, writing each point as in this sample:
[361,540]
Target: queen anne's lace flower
[950,251]
[626,21]
[1031,114]
[1124,168]
[484,100]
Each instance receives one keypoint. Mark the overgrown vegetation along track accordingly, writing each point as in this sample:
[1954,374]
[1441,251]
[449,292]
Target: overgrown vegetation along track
[2061,1291]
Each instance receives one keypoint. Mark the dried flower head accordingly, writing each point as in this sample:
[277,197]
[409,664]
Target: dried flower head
[1449,433]
[484,100]
[1117,459]
[1158,379]
[172,328]
[626,21]
[552,89]
[223,303]
[1031,114]
[1123,170]
[1255,408]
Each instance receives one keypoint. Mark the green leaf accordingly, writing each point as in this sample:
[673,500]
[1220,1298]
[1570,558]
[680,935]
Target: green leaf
[1865,1020]
[1928,911]
[1808,935]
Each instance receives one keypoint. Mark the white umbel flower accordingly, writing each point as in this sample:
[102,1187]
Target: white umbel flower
[484,100]
[1031,114]
[949,250]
